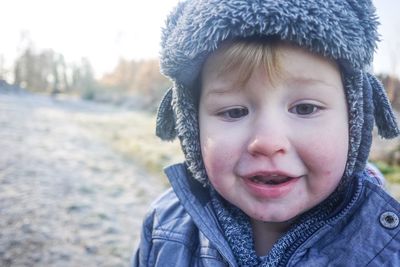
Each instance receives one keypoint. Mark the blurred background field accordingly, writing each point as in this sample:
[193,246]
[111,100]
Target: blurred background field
[132,134]
[80,80]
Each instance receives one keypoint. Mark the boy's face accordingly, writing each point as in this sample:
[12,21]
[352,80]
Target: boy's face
[275,149]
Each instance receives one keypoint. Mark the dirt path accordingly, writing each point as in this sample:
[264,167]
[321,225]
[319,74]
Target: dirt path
[66,197]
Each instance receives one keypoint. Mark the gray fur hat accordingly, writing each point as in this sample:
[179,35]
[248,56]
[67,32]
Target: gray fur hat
[343,30]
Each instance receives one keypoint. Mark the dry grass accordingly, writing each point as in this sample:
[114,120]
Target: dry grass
[133,135]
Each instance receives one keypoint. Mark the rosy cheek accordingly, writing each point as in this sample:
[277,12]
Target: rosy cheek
[324,157]
[211,158]
[215,171]
[326,166]
[218,162]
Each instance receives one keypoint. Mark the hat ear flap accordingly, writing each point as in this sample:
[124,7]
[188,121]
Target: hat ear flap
[165,124]
[383,113]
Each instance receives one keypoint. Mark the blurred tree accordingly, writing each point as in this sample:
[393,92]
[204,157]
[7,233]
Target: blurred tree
[392,82]
[48,72]
[122,76]
[148,80]
[140,78]
[24,68]
[83,80]
[35,71]
[3,72]
[59,75]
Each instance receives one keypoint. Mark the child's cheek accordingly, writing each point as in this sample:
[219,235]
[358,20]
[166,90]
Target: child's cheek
[218,162]
[326,162]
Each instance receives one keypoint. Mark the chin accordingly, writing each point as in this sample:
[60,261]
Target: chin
[274,218]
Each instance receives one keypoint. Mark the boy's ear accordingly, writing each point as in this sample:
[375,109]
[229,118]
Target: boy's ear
[165,124]
[385,119]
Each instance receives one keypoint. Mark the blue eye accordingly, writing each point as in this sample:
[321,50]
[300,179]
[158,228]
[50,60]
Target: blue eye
[234,113]
[304,109]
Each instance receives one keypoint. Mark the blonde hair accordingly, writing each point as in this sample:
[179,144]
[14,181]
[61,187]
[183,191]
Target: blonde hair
[245,55]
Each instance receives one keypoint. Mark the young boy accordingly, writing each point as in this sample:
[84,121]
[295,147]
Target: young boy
[274,108]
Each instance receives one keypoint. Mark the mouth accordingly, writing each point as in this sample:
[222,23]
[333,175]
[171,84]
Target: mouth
[270,185]
[271,179]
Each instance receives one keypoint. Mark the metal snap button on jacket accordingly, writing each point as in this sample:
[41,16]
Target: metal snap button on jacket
[389,220]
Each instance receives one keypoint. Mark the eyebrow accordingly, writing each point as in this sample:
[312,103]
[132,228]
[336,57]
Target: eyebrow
[292,81]
[310,81]
[223,90]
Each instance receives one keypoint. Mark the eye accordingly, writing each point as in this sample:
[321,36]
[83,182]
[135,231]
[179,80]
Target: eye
[304,109]
[234,113]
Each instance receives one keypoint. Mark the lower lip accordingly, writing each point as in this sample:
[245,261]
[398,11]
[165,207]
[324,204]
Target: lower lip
[270,190]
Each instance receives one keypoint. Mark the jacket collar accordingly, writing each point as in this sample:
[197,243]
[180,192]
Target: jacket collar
[196,200]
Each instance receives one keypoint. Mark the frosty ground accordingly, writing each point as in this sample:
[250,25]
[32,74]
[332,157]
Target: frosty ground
[67,198]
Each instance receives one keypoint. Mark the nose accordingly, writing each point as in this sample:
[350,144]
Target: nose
[269,139]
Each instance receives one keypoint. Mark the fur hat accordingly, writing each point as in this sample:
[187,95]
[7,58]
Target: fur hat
[345,31]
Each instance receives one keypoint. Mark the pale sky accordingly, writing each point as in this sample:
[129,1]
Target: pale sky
[105,30]
[101,30]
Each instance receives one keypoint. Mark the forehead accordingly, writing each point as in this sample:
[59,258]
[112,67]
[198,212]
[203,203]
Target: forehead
[290,64]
